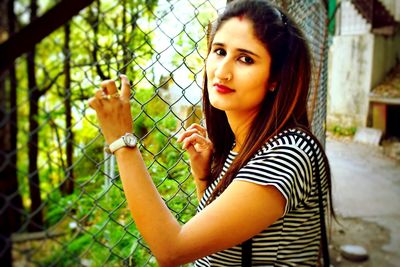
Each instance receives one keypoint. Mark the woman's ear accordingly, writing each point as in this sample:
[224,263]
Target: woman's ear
[272,86]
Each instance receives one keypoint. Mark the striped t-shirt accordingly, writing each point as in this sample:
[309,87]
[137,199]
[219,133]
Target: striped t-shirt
[288,163]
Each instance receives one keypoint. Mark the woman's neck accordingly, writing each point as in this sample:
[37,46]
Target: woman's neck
[240,125]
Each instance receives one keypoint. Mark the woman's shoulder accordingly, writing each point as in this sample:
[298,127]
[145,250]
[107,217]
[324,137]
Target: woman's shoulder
[296,138]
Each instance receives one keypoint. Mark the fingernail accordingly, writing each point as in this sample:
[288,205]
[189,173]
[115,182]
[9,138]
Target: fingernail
[123,77]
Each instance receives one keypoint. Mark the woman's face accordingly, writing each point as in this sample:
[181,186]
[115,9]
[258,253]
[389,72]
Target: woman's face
[238,68]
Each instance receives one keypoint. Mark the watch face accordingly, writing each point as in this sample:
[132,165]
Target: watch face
[130,139]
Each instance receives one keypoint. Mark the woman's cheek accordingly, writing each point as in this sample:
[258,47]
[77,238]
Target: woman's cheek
[210,68]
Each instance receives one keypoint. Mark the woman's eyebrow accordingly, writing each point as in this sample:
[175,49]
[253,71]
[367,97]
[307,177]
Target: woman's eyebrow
[247,52]
[242,50]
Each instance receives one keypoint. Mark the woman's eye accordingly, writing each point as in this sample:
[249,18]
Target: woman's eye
[246,60]
[220,52]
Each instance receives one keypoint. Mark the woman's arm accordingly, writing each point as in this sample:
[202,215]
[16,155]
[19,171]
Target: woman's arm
[153,218]
[243,210]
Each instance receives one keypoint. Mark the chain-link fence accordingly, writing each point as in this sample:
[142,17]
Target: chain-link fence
[61,201]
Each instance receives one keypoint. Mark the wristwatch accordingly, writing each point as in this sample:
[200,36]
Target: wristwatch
[127,140]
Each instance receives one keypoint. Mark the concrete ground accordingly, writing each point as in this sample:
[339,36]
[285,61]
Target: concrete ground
[366,191]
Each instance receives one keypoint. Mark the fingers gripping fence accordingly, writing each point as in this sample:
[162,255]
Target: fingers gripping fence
[61,201]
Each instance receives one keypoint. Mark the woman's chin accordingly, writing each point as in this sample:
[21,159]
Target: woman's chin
[218,105]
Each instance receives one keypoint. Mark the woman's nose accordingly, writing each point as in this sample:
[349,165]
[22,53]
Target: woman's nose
[223,70]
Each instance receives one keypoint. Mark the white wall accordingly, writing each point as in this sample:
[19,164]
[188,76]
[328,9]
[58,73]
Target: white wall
[386,54]
[350,21]
[393,6]
[358,61]
[349,80]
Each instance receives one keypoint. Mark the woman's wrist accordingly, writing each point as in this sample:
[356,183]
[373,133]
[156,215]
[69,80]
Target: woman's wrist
[201,184]
[124,151]
[201,187]
[201,179]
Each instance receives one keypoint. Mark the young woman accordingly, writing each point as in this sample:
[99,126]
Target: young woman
[259,172]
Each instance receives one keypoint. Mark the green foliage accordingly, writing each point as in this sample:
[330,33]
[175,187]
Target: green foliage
[342,131]
[98,206]
[93,224]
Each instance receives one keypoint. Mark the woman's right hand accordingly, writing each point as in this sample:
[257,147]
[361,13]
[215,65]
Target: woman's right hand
[200,150]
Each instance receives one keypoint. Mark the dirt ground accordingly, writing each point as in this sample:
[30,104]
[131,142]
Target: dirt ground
[366,191]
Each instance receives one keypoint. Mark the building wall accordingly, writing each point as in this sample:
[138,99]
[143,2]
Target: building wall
[393,6]
[349,82]
[349,21]
[358,61]
[386,55]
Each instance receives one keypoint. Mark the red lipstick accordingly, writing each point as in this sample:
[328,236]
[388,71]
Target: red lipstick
[223,89]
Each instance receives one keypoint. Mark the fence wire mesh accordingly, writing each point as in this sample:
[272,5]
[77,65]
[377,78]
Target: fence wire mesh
[61,201]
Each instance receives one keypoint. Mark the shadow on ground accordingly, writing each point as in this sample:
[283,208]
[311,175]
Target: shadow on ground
[366,192]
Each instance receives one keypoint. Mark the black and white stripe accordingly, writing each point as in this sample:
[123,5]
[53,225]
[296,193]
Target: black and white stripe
[287,162]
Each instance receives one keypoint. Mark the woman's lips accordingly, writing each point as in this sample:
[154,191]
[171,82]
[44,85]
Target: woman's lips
[223,89]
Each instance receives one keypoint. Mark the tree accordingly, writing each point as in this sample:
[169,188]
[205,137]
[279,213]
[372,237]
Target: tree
[93,20]
[35,93]
[67,187]
[10,198]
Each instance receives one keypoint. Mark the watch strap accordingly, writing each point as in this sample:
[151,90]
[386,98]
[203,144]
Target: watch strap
[117,144]
[121,142]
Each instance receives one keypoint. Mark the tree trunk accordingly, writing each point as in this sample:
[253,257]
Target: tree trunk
[5,186]
[125,59]
[36,223]
[67,187]
[11,201]
[17,199]
[94,22]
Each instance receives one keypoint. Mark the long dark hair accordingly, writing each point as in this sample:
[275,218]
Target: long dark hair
[284,108]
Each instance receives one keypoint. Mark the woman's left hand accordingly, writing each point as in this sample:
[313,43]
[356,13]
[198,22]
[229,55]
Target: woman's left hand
[113,109]
[200,149]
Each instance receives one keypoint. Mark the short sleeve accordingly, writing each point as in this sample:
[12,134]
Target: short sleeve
[287,167]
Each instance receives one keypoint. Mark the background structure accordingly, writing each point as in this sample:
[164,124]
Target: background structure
[365,48]
[61,201]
